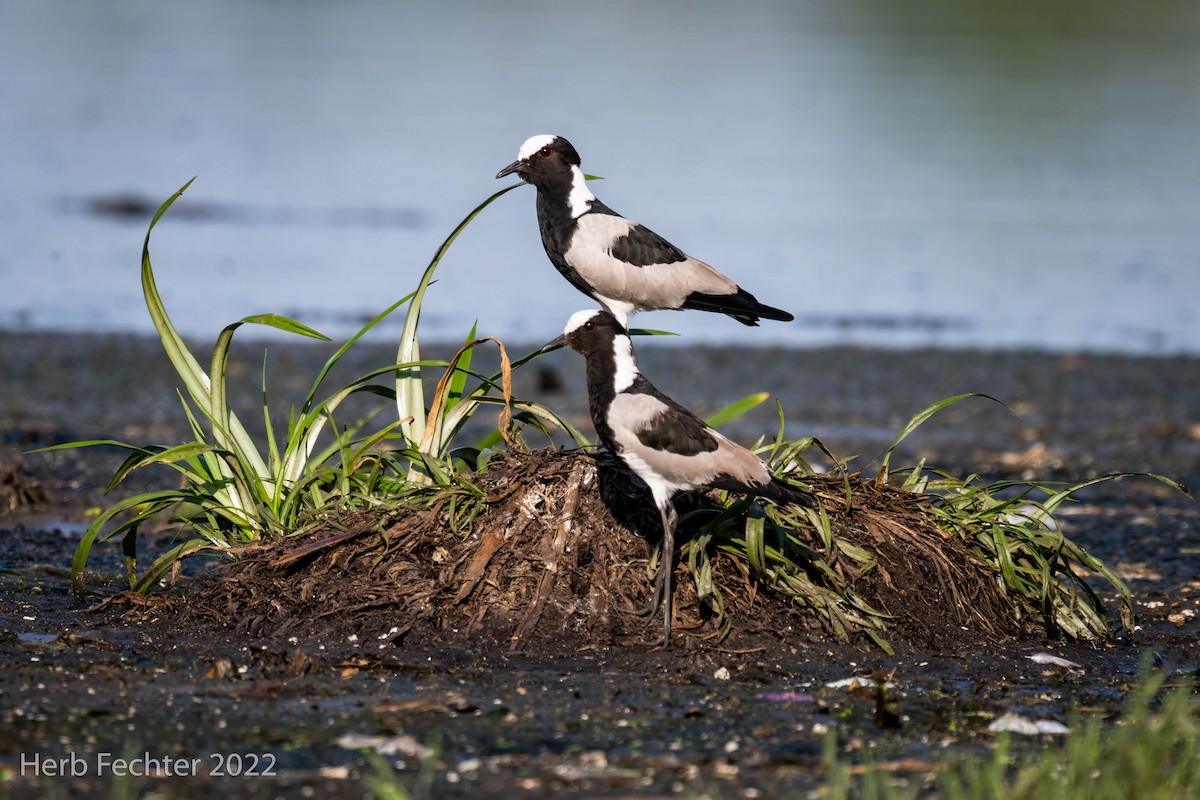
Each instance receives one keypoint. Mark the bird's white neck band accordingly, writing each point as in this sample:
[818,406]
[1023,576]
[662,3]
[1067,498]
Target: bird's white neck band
[580,199]
[625,369]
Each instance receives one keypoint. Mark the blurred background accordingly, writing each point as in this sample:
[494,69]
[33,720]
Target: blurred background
[938,172]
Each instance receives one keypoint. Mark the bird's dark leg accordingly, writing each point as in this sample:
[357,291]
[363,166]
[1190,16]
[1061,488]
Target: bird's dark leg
[666,569]
[651,608]
[663,581]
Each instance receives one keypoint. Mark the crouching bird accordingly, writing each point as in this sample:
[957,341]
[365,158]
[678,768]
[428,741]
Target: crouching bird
[624,266]
[660,441]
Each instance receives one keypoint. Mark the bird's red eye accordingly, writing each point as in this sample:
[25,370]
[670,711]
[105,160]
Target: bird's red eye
[589,326]
[544,152]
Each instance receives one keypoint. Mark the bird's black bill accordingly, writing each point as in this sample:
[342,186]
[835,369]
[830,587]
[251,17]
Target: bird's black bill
[509,170]
[561,341]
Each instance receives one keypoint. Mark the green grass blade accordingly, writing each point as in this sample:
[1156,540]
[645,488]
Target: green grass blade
[756,545]
[135,458]
[275,465]
[919,419]
[285,324]
[410,392]
[91,443]
[194,377]
[458,381]
[736,409]
[228,434]
[152,503]
[650,332]
[164,563]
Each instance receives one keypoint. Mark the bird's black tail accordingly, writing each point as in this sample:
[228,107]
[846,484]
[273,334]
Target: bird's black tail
[779,492]
[743,306]
[776,491]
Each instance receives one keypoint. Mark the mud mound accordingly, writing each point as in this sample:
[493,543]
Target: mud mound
[559,552]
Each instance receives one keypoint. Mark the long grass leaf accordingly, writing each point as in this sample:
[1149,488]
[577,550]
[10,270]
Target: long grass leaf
[410,397]
[151,503]
[458,380]
[756,545]
[285,324]
[194,378]
[736,409]
[166,561]
[918,420]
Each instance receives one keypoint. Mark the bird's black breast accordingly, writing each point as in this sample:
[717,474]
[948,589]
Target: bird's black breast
[555,222]
[601,392]
[557,226]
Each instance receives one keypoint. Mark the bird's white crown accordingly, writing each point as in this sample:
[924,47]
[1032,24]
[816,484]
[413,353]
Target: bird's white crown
[625,369]
[533,144]
[578,319]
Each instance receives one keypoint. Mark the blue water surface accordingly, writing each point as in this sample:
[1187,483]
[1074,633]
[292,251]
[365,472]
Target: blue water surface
[929,173]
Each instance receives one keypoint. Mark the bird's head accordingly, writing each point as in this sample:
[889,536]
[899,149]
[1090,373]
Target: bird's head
[588,331]
[544,160]
[604,342]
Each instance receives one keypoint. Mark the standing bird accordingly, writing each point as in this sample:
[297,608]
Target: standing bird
[660,441]
[625,266]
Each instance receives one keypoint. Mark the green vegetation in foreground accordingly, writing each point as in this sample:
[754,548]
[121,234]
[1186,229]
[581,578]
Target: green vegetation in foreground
[1152,751]
[1009,525]
[235,491]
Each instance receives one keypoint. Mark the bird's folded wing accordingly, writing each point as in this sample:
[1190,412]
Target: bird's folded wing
[630,262]
[658,426]
[642,247]
[677,446]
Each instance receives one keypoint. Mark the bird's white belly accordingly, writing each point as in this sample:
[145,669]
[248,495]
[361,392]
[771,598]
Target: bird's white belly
[621,309]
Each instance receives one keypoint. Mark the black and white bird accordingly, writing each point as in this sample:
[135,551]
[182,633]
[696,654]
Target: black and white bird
[624,266]
[660,441]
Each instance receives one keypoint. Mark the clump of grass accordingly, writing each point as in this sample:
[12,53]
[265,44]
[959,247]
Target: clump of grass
[232,493]
[796,551]
[1009,527]
[1152,750]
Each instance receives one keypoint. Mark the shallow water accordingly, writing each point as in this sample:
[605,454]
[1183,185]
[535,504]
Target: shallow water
[950,174]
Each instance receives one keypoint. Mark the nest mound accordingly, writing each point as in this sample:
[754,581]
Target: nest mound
[562,548]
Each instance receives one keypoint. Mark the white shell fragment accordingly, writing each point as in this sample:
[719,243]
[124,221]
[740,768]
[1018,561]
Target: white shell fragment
[857,682]
[1046,658]
[402,744]
[1015,723]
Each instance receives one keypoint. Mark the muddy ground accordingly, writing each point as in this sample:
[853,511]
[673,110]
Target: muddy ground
[93,683]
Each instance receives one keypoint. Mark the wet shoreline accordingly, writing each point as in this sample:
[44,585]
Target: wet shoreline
[615,722]
[1069,415]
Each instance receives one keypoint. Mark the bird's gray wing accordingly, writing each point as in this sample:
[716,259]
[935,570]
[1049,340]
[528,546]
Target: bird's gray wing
[666,442]
[642,247]
[625,261]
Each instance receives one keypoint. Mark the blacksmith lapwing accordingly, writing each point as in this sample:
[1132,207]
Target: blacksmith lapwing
[660,441]
[625,266]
